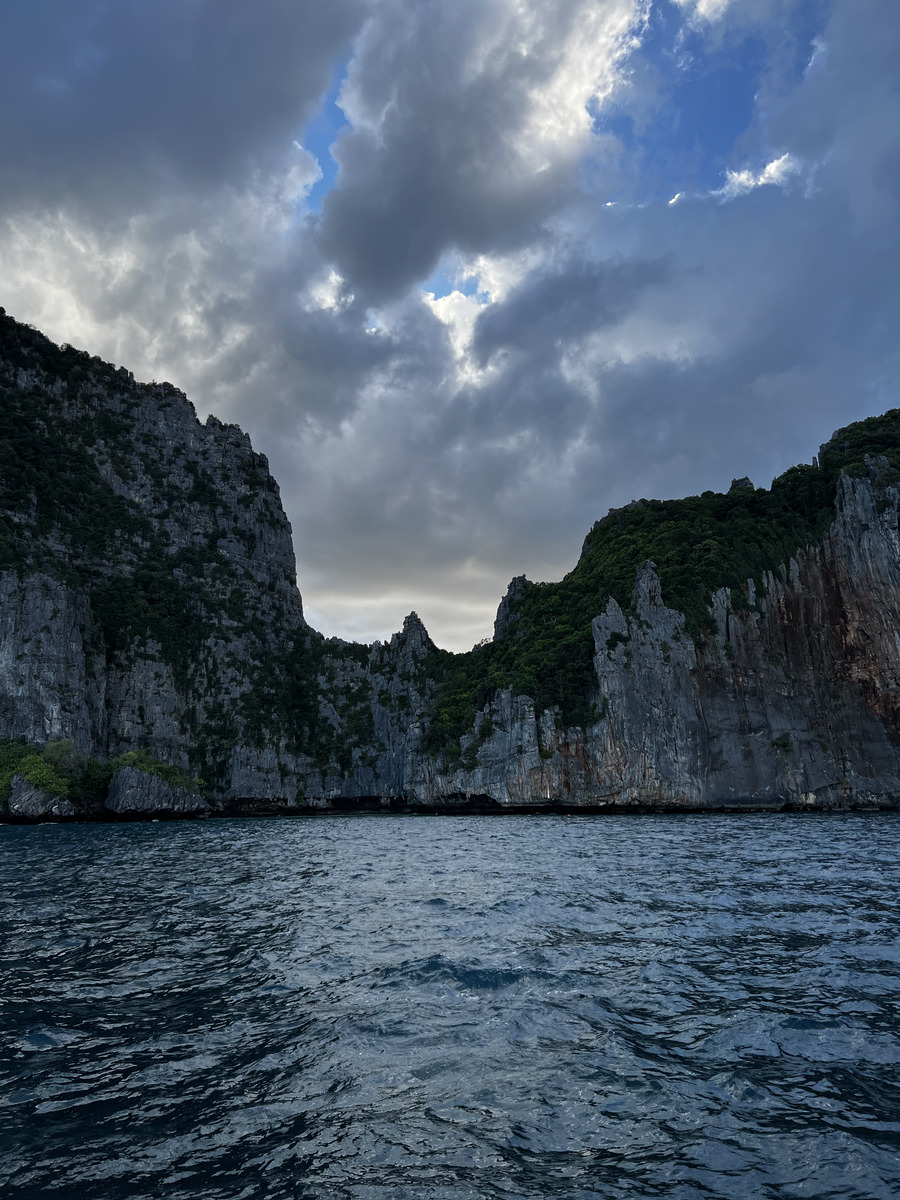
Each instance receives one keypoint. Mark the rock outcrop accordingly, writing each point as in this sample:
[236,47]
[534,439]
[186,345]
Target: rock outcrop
[30,803]
[148,603]
[137,793]
[506,616]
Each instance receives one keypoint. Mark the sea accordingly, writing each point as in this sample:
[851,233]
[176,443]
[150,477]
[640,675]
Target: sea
[695,1007]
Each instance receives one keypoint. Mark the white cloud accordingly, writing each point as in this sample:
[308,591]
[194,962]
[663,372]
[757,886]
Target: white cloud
[819,57]
[498,274]
[459,313]
[778,173]
[300,177]
[706,10]
[587,62]
[329,294]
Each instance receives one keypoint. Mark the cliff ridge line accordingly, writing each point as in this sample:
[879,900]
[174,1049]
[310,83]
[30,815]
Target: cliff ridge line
[727,650]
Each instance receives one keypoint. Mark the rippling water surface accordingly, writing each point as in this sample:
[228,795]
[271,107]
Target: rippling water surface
[452,1007]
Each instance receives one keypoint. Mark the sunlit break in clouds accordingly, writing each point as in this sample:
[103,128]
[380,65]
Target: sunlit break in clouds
[469,273]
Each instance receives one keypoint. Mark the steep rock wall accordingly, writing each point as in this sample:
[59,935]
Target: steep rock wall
[147,581]
[792,701]
[148,601]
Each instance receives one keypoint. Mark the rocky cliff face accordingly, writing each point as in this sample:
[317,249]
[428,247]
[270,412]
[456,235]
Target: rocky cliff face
[137,793]
[793,700]
[147,596]
[148,601]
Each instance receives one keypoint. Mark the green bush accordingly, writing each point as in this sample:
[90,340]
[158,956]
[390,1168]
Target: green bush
[12,754]
[140,759]
[17,758]
[36,770]
[64,758]
[62,770]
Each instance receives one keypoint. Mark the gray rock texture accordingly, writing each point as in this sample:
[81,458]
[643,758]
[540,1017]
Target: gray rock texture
[164,614]
[27,802]
[794,701]
[518,586]
[161,614]
[136,793]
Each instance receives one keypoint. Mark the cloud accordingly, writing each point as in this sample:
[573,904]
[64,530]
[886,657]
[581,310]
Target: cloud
[469,352]
[466,130]
[779,172]
[103,102]
[706,10]
[569,301]
[714,17]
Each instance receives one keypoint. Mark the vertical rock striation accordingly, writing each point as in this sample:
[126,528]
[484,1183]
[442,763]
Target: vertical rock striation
[147,586]
[792,700]
[148,602]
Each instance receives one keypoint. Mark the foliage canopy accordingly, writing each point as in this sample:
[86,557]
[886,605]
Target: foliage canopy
[698,545]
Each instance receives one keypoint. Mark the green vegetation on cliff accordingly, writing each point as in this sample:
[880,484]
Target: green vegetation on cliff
[698,544]
[59,514]
[49,482]
[61,770]
[113,489]
[34,765]
[161,525]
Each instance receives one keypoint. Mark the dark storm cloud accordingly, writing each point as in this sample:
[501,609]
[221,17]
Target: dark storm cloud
[101,99]
[438,159]
[567,302]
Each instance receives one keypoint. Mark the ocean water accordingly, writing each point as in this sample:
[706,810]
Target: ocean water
[452,1007]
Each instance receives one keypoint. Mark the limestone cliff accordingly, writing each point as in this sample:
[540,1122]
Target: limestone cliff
[792,699]
[148,602]
[147,591]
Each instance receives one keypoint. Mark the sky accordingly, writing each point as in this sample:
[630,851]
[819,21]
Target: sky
[469,272]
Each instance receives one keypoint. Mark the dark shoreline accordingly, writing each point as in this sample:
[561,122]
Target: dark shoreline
[374,806]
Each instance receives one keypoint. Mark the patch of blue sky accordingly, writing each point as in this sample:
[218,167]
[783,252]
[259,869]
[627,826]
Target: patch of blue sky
[706,101]
[320,135]
[445,279]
